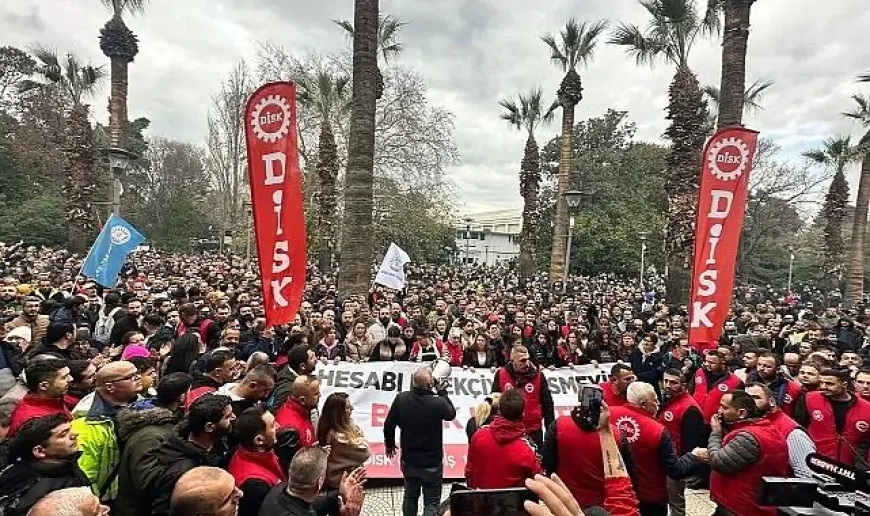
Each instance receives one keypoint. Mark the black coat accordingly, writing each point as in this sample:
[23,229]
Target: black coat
[175,457]
[420,414]
[34,480]
[279,503]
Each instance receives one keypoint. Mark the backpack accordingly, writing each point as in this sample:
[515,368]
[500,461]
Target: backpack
[105,323]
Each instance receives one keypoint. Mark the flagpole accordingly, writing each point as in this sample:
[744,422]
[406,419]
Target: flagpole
[790,268]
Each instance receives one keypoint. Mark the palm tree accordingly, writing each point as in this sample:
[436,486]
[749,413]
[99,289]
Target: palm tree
[674,27]
[120,45]
[73,81]
[527,113]
[836,153]
[751,100]
[734,44]
[357,232]
[859,226]
[389,45]
[327,96]
[575,46]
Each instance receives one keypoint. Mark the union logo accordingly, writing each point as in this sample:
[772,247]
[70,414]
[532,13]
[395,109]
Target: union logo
[728,159]
[668,416]
[119,235]
[862,426]
[629,427]
[723,387]
[270,118]
[530,388]
[817,415]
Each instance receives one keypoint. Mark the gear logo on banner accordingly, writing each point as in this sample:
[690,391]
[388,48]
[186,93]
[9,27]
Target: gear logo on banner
[270,119]
[728,159]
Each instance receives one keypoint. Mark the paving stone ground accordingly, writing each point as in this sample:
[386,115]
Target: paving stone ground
[387,501]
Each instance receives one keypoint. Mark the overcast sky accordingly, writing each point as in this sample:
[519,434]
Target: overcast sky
[472,53]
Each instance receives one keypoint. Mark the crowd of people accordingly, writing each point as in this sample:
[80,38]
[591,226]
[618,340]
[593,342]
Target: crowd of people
[168,391]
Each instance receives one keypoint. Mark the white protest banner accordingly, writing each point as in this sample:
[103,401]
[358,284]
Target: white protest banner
[392,271]
[373,385]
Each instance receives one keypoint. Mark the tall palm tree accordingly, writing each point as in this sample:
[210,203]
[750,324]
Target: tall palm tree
[859,227]
[73,81]
[674,26]
[120,45]
[526,113]
[735,40]
[751,100]
[389,46]
[327,96]
[575,46]
[357,232]
[837,154]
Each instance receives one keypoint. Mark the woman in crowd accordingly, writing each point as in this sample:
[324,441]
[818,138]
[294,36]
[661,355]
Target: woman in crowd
[484,413]
[337,429]
[185,353]
[482,355]
[358,343]
[329,348]
[392,348]
[426,349]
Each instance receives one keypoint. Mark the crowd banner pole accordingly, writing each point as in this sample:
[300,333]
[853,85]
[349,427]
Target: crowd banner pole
[276,198]
[725,168]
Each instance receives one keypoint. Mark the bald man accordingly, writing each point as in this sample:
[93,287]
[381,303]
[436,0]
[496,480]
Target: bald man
[74,501]
[118,384]
[205,491]
[295,413]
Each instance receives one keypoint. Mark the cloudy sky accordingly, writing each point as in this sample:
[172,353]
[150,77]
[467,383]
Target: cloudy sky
[472,53]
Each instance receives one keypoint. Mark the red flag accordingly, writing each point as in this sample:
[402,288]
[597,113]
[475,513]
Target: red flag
[725,169]
[276,198]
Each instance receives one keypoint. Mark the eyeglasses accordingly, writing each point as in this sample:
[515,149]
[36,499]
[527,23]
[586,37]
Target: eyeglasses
[133,376]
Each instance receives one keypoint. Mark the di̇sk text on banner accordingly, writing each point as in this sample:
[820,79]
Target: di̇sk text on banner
[276,198]
[373,386]
[727,162]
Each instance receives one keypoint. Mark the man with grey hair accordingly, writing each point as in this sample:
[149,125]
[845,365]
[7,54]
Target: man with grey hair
[73,501]
[420,413]
[522,373]
[652,449]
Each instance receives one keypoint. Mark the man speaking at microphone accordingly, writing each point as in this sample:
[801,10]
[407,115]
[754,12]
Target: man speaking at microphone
[520,373]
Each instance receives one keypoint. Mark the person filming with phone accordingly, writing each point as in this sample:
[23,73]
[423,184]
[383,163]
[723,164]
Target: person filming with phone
[521,373]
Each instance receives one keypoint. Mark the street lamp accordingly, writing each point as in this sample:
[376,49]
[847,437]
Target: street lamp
[249,211]
[572,199]
[790,268]
[119,159]
[467,237]
[642,256]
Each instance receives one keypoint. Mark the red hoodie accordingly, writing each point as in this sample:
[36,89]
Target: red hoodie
[501,456]
[32,407]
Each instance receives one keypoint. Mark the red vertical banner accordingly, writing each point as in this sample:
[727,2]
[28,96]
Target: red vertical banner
[276,198]
[725,168]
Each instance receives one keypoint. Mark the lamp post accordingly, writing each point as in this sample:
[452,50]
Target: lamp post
[467,237]
[249,211]
[572,199]
[642,257]
[790,267]
[119,159]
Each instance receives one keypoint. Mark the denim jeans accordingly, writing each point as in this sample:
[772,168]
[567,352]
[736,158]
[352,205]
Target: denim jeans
[427,480]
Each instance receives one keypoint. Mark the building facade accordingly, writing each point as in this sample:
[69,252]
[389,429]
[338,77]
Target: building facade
[488,238]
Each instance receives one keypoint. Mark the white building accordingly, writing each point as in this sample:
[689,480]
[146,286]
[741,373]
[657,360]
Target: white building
[488,238]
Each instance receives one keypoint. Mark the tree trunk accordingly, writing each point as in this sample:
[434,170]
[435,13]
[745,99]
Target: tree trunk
[327,172]
[118,103]
[734,43]
[560,229]
[855,291]
[357,231]
[79,179]
[530,179]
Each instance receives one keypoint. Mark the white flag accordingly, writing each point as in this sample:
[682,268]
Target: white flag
[392,271]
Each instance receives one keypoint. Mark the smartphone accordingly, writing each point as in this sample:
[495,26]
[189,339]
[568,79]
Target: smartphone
[490,502]
[589,411]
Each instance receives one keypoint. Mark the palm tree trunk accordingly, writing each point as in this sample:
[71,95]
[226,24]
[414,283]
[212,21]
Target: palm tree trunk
[734,43]
[357,232]
[530,179]
[118,103]
[856,250]
[327,172]
[79,178]
[560,229]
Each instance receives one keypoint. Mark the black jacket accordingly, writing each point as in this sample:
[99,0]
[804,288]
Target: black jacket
[420,414]
[121,327]
[175,457]
[32,481]
[280,503]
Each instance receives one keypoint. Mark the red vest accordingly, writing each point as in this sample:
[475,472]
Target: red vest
[738,492]
[823,427]
[610,397]
[293,415]
[671,416]
[580,464]
[709,396]
[247,465]
[644,434]
[32,407]
[197,393]
[792,391]
[533,413]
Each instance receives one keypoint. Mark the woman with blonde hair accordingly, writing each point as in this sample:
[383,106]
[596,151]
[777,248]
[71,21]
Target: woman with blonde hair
[484,413]
[336,428]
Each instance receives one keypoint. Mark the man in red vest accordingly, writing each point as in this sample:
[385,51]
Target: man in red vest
[712,381]
[520,373]
[785,391]
[837,421]
[681,416]
[798,441]
[652,449]
[500,454]
[295,413]
[751,449]
[254,465]
[613,391]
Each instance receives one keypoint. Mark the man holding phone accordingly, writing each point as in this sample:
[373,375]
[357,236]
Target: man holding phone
[520,373]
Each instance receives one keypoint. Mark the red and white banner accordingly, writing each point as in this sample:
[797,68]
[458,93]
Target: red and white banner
[372,387]
[276,198]
[725,168]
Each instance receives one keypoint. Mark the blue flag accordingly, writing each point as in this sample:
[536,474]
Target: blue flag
[106,258]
